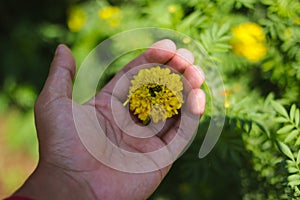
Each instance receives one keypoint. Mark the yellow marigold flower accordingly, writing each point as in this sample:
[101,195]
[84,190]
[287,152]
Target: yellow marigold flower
[172,8]
[226,92]
[155,94]
[249,41]
[111,14]
[297,21]
[227,104]
[76,19]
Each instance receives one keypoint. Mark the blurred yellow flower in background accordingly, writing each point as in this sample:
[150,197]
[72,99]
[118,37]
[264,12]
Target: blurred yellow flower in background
[155,94]
[172,8]
[227,94]
[111,14]
[76,18]
[249,41]
[227,103]
[186,40]
[297,21]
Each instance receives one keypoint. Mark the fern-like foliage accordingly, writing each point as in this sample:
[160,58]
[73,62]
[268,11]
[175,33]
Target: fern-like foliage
[290,131]
[215,39]
[288,137]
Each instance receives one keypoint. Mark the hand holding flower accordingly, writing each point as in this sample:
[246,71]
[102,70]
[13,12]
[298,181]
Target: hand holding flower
[66,169]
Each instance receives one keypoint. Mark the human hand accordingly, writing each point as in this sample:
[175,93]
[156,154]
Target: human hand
[66,169]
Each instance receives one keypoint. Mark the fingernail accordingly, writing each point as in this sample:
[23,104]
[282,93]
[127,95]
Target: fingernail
[60,49]
[170,44]
[164,44]
[200,72]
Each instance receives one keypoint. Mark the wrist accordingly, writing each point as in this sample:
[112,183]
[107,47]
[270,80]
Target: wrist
[51,182]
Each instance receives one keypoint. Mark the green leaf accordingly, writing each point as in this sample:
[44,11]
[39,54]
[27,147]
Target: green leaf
[292,170]
[281,120]
[263,128]
[297,191]
[290,162]
[223,29]
[285,129]
[291,136]
[297,116]
[246,126]
[294,177]
[215,39]
[298,141]
[280,109]
[195,18]
[292,112]
[298,158]
[294,183]
[294,180]
[286,150]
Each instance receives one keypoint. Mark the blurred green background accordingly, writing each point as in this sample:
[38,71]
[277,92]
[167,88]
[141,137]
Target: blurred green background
[255,45]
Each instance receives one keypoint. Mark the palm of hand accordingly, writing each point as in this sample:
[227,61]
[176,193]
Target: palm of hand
[61,147]
[64,150]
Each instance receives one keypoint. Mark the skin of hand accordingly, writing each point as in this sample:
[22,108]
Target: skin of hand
[66,170]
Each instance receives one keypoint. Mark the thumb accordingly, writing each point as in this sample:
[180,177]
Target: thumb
[60,77]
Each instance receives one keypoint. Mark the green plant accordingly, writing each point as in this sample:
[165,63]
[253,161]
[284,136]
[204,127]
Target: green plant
[253,44]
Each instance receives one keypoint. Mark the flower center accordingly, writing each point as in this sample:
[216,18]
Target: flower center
[154,89]
[155,94]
